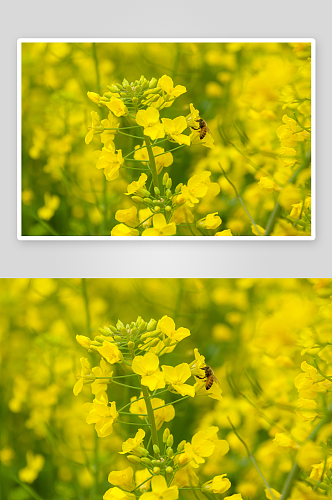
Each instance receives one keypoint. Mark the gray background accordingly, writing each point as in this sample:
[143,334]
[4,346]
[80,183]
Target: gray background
[170,18]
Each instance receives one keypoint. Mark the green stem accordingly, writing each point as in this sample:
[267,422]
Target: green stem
[152,421]
[252,458]
[86,302]
[296,469]
[152,162]
[277,208]
[241,201]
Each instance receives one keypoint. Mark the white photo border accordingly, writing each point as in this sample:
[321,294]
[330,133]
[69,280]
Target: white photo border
[312,41]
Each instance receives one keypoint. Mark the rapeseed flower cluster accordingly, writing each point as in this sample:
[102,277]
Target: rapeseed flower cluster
[247,173]
[123,410]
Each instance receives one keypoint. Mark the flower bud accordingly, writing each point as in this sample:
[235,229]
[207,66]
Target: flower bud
[135,100]
[165,435]
[168,208]
[133,330]
[169,183]
[179,187]
[142,327]
[156,470]
[137,199]
[152,83]
[105,331]
[148,201]
[125,83]
[124,330]
[157,210]
[151,325]
[181,445]
[169,452]
[154,343]
[98,338]
[157,192]
[144,192]
[146,461]
[144,85]
[131,345]
[113,88]
[156,449]
[155,463]
[114,330]
[156,202]
[170,440]
[142,451]
[133,459]
[93,348]
[165,179]
[168,194]
[169,470]
[119,325]
[167,341]
[117,338]
[123,94]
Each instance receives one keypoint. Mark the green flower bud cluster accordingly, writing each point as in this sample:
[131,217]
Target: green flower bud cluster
[135,95]
[127,336]
[160,463]
[162,200]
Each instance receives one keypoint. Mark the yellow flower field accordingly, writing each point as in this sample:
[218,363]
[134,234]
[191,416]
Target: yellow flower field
[166,139]
[165,389]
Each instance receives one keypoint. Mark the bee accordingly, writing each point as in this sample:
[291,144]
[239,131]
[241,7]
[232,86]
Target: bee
[202,127]
[209,377]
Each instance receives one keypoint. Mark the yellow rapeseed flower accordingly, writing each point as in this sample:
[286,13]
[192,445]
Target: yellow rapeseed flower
[160,227]
[148,367]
